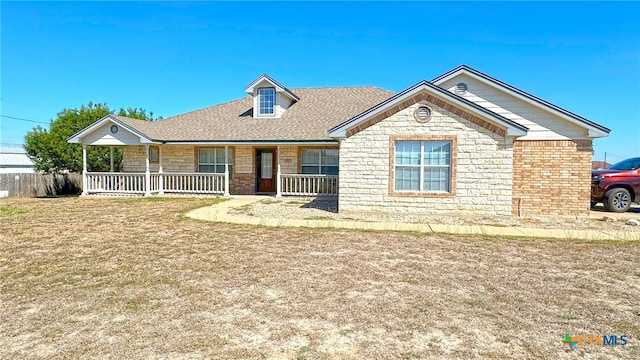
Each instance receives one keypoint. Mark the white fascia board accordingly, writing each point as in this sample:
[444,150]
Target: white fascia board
[341,130]
[253,143]
[592,129]
[77,137]
[250,89]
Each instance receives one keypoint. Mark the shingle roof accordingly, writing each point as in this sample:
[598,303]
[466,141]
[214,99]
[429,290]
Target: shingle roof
[318,110]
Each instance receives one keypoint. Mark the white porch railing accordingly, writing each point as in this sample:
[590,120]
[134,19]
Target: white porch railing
[193,183]
[134,183]
[122,183]
[201,183]
[309,185]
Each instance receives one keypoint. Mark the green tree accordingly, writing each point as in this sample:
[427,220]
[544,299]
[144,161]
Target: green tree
[50,151]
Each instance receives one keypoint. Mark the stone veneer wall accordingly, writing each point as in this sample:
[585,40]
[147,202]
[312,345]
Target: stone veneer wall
[182,158]
[483,166]
[175,158]
[243,179]
[289,160]
[553,177]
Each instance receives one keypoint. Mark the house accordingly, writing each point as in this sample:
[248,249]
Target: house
[14,160]
[461,143]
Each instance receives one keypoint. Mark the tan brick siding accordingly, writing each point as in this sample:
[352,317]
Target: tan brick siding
[183,158]
[483,166]
[175,158]
[289,159]
[552,177]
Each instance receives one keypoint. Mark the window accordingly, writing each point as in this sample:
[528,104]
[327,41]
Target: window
[423,166]
[320,161]
[154,154]
[266,101]
[213,160]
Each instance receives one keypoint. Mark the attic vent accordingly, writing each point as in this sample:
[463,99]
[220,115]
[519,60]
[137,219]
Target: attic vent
[461,88]
[422,114]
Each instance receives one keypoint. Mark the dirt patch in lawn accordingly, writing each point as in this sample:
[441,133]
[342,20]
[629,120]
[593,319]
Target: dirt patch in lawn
[327,209]
[134,278]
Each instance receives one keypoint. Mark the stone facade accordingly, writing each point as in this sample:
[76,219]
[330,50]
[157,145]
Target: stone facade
[175,158]
[551,177]
[183,158]
[482,165]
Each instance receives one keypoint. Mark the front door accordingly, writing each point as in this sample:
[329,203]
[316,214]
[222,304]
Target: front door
[265,171]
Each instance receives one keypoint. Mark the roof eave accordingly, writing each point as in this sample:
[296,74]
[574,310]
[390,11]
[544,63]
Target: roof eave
[249,89]
[523,95]
[77,137]
[512,128]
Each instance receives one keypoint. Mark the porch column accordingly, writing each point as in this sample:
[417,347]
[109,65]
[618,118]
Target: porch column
[226,171]
[84,169]
[278,176]
[147,173]
[160,176]
[111,158]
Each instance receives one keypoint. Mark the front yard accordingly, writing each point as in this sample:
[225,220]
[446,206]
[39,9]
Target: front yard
[133,278]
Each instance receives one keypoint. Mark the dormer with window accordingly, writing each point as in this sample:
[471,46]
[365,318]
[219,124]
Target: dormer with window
[270,98]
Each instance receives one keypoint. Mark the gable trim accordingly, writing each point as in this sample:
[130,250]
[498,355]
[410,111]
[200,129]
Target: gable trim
[429,92]
[595,130]
[77,137]
[249,89]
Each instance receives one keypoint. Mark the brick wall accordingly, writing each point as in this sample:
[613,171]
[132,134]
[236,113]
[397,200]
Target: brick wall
[289,159]
[552,177]
[482,182]
[175,158]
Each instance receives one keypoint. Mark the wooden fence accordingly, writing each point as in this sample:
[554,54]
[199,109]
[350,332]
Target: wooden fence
[40,184]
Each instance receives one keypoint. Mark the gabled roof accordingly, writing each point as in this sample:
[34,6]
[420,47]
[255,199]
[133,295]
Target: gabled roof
[305,121]
[512,128]
[141,128]
[464,69]
[249,89]
[14,156]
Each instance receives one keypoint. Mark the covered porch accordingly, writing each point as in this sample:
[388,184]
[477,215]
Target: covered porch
[160,182]
[153,167]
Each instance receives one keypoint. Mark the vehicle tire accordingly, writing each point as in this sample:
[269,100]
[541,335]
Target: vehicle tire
[617,200]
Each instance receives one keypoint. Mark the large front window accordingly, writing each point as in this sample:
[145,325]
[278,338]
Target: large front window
[266,101]
[423,166]
[213,160]
[320,161]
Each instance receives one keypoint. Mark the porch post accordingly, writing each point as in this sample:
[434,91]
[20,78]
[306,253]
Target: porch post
[160,176]
[111,158]
[84,170]
[278,176]
[226,171]
[147,173]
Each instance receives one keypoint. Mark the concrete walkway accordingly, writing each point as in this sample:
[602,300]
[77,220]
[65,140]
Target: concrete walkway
[220,213]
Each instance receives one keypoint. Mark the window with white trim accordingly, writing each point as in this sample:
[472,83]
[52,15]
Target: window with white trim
[320,161]
[266,101]
[423,166]
[212,160]
[154,154]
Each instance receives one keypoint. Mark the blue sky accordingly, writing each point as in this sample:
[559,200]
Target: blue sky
[170,58]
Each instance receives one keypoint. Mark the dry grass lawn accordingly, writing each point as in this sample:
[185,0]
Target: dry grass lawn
[122,278]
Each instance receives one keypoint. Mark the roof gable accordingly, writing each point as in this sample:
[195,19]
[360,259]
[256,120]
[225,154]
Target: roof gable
[250,89]
[95,134]
[424,90]
[594,129]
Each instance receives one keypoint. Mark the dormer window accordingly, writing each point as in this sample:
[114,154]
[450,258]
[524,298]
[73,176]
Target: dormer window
[266,101]
[270,98]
